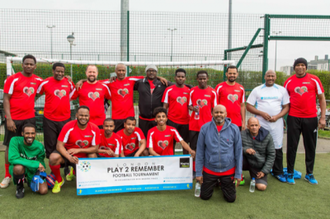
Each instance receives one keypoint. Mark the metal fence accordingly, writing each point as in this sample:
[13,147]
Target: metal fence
[152,36]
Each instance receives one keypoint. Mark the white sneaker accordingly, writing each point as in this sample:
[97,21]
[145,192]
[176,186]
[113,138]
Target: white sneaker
[5,182]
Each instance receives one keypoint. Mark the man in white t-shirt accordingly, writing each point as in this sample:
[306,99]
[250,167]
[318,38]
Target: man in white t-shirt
[270,102]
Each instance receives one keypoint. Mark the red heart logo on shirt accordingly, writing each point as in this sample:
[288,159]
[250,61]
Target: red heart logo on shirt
[28,90]
[162,144]
[104,148]
[130,146]
[181,100]
[232,97]
[301,90]
[94,95]
[60,93]
[123,92]
[201,103]
[81,143]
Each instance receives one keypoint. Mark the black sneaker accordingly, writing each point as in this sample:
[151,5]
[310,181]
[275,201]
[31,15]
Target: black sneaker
[20,191]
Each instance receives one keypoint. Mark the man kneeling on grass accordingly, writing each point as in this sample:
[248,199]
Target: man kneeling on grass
[26,157]
[258,152]
[160,138]
[78,139]
[219,156]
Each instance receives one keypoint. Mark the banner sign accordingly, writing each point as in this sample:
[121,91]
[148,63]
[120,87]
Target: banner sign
[133,174]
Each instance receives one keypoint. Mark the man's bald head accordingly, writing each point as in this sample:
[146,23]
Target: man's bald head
[120,71]
[270,78]
[219,114]
[253,126]
[220,107]
[253,120]
[270,72]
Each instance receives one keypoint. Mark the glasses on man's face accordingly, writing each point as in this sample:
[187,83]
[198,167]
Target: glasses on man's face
[151,71]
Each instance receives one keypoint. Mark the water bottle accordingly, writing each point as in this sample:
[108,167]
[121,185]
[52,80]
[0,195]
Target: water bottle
[197,189]
[252,185]
[197,114]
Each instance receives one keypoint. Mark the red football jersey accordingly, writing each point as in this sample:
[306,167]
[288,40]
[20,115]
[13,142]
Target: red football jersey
[177,99]
[122,96]
[92,95]
[231,97]
[113,143]
[205,99]
[57,102]
[74,137]
[162,142]
[131,143]
[302,92]
[23,91]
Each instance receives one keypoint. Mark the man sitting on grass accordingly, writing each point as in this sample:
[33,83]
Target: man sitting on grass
[133,140]
[78,139]
[258,152]
[110,142]
[26,157]
[160,138]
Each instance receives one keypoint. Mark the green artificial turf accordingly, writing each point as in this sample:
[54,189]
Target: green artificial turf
[280,200]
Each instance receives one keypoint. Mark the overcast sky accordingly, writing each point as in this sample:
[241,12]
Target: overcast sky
[286,50]
[317,7]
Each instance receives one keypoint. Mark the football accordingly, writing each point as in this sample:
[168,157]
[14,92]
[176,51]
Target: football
[50,180]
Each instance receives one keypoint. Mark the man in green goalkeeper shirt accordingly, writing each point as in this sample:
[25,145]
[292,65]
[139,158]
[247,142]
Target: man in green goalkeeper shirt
[26,157]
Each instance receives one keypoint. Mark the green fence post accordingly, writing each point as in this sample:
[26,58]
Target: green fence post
[225,66]
[265,49]
[248,47]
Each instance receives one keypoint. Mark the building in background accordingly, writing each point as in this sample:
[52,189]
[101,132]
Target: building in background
[287,69]
[319,64]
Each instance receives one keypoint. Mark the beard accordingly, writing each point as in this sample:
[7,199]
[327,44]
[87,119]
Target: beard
[26,141]
[219,121]
[91,79]
[232,79]
[82,123]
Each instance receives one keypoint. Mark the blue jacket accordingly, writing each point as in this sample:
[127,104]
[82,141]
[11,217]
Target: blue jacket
[219,152]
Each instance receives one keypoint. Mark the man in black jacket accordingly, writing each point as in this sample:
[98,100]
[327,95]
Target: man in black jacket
[258,152]
[150,91]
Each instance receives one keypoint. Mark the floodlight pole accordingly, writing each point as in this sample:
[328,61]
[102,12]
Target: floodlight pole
[71,39]
[229,28]
[276,33]
[172,30]
[51,39]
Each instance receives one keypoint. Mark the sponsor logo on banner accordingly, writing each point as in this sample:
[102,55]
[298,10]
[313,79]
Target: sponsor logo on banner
[93,95]
[184,162]
[85,166]
[28,90]
[59,93]
[301,90]
[232,97]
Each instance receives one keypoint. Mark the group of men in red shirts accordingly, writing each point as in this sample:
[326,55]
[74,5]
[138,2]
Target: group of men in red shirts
[164,113]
